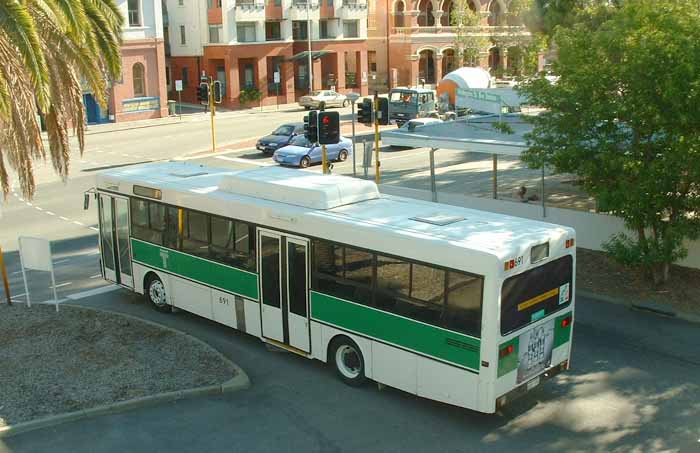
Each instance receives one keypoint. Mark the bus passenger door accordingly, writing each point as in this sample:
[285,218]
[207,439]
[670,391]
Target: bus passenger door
[114,239]
[270,247]
[284,281]
[298,293]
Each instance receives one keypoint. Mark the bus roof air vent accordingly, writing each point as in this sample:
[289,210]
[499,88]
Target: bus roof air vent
[439,219]
[189,175]
[299,187]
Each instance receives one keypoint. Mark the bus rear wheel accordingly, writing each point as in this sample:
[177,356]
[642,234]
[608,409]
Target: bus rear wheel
[348,361]
[155,293]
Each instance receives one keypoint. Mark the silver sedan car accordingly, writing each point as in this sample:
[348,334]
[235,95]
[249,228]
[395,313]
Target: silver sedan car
[323,98]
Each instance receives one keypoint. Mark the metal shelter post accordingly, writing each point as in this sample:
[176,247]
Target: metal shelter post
[433,186]
[354,160]
[495,176]
[544,207]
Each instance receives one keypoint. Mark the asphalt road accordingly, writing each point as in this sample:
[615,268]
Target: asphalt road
[630,389]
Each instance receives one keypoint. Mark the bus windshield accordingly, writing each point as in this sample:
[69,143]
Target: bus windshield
[536,293]
[403,97]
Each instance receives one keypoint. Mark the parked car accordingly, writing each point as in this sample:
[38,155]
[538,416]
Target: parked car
[322,99]
[302,153]
[279,137]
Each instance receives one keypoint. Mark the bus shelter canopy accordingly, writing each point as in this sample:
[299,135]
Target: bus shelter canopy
[474,134]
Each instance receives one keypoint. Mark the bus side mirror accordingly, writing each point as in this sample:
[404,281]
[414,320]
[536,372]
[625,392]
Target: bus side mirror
[86,201]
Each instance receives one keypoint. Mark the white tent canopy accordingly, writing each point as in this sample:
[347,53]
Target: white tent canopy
[470,78]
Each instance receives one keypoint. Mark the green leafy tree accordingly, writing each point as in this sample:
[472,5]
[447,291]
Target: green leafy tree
[47,48]
[469,39]
[624,117]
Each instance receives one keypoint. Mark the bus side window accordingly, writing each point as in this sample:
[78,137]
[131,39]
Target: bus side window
[464,296]
[147,220]
[195,238]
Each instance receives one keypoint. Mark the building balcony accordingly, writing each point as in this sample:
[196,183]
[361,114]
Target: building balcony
[352,10]
[298,10]
[249,10]
[481,30]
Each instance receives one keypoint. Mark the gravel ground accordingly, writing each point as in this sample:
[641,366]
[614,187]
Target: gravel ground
[598,273]
[52,363]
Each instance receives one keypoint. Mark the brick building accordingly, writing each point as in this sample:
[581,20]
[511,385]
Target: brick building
[242,43]
[415,39]
[140,93]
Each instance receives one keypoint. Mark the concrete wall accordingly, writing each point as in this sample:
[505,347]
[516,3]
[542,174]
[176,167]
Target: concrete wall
[591,229]
[151,13]
[192,14]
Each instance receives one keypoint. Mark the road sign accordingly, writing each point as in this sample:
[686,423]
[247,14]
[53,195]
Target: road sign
[276,77]
[178,85]
[352,97]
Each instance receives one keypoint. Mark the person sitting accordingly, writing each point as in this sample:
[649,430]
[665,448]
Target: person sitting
[522,195]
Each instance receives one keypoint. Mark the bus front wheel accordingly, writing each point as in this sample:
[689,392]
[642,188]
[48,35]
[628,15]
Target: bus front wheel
[348,361]
[155,292]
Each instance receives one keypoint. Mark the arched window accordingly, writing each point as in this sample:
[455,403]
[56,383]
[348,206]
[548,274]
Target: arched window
[447,8]
[426,18]
[495,14]
[398,14]
[139,79]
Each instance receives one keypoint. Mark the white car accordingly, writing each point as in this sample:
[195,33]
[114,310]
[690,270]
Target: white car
[322,99]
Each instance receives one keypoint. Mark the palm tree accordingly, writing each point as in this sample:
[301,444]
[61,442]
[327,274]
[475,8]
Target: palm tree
[47,48]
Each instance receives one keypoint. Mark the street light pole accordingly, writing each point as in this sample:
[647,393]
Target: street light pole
[308,42]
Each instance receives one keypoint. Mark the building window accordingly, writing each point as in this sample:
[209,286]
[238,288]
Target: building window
[323,29]
[246,31]
[272,31]
[248,76]
[134,7]
[167,76]
[138,77]
[180,2]
[350,29]
[278,3]
[215,34]
[372,60]
[213,4]
[185,77]
[183,36]
[299,29]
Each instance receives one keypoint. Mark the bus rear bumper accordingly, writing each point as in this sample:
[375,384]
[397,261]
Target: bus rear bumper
[531,384]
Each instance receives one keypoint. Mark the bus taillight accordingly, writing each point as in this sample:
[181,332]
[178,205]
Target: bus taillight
[506,351]
[566,322]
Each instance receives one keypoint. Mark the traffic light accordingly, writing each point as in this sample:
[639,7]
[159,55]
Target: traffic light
[364,112]
[311,126]
[218,95]
[383,111]
[203,93]
[328,128]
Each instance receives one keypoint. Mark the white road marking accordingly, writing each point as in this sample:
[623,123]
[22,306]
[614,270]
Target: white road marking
[244,161]
[64,218]
[78,223]
[20,198]
[93,292]
[50,213]
[61,285]
[29,204]
[125,155]
[95,276]
[94,229]
[61,261]
[38,208]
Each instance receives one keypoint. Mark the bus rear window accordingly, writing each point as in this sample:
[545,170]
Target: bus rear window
[534,294]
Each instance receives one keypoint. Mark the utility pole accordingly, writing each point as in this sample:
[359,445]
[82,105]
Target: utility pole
[212,108]
[308,43]
[5,281]
[377,177]
[324,159]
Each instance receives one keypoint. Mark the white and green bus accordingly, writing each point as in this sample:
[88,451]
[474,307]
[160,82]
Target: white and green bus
[457,305]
